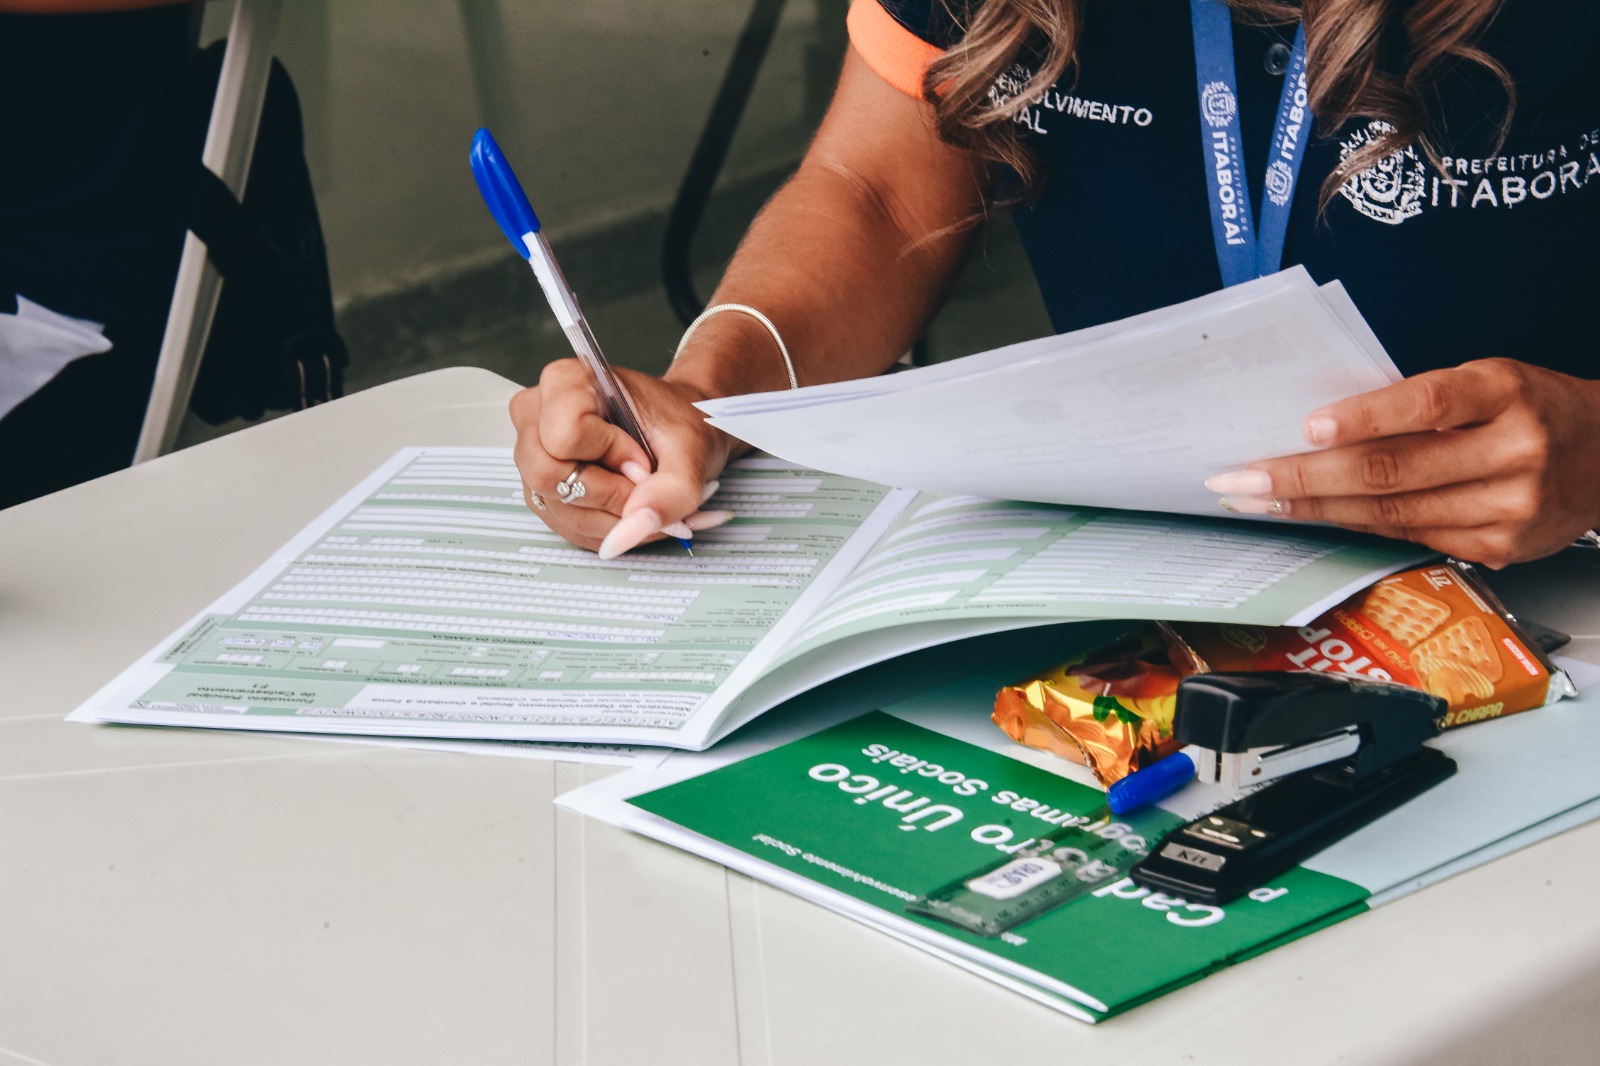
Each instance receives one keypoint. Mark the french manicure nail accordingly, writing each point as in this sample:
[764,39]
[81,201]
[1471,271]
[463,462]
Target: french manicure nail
[1255,505]
[1243,482]
[681,530]
[635,472]
[629,531]
[1320,429]
[709,490]
[702,520]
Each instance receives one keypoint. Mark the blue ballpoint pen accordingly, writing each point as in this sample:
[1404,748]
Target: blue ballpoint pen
[511,210]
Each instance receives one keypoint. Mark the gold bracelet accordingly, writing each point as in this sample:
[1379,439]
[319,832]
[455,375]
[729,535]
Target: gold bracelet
[783,349]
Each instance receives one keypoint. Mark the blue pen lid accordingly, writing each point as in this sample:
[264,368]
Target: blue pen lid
[502,192]
[1156,782]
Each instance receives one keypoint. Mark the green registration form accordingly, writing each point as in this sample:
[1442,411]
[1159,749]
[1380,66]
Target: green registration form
[430,602]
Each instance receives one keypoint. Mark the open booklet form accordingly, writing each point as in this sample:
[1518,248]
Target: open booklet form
[429,602]
[871,814]
[1134,414]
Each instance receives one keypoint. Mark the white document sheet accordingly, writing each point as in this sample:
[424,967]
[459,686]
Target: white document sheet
[36,344]
[1132,414]
[430,603]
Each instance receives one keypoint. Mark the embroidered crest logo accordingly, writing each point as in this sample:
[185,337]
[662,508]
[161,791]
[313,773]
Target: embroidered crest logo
[1280,182]
[1217,104]
[1391,190]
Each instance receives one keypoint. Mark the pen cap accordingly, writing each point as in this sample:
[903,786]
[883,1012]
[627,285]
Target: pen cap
[1155,782]
[502,192]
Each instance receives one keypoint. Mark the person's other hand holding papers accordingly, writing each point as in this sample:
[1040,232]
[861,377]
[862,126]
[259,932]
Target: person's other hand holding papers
[1493,461]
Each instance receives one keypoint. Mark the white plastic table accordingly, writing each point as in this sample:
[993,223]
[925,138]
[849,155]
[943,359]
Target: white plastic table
[181,897]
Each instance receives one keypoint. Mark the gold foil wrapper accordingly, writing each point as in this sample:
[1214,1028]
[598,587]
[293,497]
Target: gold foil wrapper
[1110,709]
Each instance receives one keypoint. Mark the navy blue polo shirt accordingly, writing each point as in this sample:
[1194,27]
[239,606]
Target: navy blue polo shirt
[1497,253]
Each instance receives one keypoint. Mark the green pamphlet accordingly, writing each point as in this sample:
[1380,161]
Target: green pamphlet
[890,814]
[924,821]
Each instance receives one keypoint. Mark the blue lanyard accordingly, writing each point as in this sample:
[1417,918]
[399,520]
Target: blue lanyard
[1245,249]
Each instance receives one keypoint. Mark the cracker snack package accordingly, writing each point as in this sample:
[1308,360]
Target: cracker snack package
[1437,628]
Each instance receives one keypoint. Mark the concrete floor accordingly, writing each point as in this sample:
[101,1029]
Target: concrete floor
[513,334]
[424,280]
[996,303]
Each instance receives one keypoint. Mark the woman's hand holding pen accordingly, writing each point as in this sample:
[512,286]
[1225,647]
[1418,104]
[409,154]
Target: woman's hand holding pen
[849,260]
[561,428]
[1495,461]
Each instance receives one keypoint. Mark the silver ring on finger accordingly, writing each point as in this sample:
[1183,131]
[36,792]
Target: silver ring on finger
[536,501]
[571,489]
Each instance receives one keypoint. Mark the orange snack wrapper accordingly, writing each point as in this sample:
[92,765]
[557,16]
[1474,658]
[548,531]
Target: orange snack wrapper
[1437,628]
[1109,709]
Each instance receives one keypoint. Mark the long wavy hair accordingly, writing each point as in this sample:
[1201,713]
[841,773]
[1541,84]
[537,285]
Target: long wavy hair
[1345,46]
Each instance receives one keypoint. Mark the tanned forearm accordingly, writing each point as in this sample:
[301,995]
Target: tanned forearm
[851,258]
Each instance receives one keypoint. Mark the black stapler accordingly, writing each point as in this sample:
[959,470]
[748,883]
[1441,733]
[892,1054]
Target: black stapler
[1338,750]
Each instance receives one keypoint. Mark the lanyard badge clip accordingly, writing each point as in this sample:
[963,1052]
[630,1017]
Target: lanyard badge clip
[1247,246]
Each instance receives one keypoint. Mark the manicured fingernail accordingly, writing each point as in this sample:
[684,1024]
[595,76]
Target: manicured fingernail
[1320,429]
[1243,482]
[702,520]
[635,472]
[681,530]
[629,531]
[709,490]
[1255,505]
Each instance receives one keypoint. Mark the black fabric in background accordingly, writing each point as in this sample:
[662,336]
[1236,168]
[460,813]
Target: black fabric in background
[93,180]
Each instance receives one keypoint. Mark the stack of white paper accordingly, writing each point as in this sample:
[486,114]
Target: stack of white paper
[36,343]
[1133,414]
